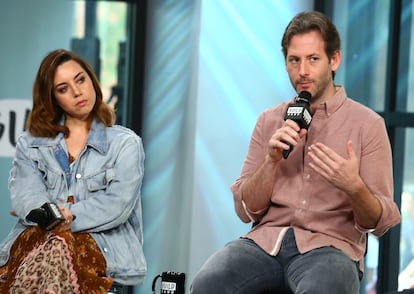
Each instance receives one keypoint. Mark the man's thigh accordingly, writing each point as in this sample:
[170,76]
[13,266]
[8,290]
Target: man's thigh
[240,267]
[322,271]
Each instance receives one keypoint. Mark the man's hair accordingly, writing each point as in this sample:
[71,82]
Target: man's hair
[306,22]
[46,115]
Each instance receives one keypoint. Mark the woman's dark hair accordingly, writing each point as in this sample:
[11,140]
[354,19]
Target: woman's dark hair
[45,117]
[306,22]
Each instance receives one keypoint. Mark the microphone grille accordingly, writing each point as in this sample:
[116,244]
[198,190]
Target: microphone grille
[304,96]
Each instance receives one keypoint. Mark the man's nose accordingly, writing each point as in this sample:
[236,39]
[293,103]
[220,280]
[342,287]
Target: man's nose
[303,68]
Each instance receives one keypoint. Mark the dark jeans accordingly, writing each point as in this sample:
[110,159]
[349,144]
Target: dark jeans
[242,267]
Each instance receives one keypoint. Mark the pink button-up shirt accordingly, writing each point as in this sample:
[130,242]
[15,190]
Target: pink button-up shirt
[319,213]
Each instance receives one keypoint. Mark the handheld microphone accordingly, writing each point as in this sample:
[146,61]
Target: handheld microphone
[300,113]
[47,216]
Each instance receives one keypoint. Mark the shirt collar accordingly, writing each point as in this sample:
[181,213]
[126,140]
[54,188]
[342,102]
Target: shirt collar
[97,138]
[331,105]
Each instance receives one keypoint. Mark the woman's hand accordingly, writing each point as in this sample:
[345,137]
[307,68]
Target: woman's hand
[66,224]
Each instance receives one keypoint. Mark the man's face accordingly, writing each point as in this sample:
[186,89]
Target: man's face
[308,66]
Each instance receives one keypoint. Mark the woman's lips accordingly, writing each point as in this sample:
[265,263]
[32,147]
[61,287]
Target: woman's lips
[82,103]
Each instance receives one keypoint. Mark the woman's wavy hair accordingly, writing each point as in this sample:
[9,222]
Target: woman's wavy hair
[306,22]
[46,115]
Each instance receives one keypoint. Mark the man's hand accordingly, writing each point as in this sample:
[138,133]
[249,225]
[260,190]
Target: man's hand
[344,174]
[341,172]
[290,133]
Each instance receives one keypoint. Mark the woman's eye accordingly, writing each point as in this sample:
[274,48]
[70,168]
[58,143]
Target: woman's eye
[81,80]
[62,90]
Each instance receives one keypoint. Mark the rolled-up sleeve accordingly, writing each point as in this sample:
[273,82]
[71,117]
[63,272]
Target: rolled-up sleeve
[255,156]
[376,171]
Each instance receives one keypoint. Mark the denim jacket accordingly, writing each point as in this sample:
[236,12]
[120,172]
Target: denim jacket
[105,181]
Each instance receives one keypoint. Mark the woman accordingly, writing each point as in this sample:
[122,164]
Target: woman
[73,155]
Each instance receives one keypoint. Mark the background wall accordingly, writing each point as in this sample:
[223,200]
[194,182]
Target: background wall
[213,66]
[28,30]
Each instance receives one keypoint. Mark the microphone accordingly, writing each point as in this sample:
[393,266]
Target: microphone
[300,113]
[47,216]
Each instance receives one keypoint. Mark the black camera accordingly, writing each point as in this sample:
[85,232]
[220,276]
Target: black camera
[47,216]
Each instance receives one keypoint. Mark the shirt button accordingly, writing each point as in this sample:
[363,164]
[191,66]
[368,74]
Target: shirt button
[307,176]
[78,176]
[105,249]
[304,202]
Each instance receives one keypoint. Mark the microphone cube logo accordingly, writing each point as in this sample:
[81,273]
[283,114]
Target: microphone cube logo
[294,111]
[307,116]
[300,114]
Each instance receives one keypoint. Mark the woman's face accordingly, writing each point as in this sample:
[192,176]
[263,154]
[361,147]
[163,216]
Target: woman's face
[74,90]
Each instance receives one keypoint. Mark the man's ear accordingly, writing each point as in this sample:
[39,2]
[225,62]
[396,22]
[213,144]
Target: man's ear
[336,60]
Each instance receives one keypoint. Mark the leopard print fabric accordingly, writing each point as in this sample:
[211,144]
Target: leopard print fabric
[54,263]
[47,269]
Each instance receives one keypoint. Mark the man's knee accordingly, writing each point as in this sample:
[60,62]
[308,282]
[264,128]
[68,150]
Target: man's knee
[207,281]
[322,271]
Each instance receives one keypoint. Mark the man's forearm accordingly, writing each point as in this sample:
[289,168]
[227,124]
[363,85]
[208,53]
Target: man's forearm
[367,208]
[257,190]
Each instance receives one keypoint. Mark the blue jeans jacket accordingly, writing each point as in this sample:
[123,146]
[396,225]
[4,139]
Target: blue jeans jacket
[106,183]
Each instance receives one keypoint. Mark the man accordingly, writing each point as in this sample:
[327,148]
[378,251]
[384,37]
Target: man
[311,211]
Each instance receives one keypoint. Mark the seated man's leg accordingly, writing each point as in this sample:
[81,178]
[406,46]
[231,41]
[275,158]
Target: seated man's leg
[323,271]
[240,267]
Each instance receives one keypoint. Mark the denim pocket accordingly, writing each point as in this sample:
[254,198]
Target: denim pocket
[100,181]
[49,176]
